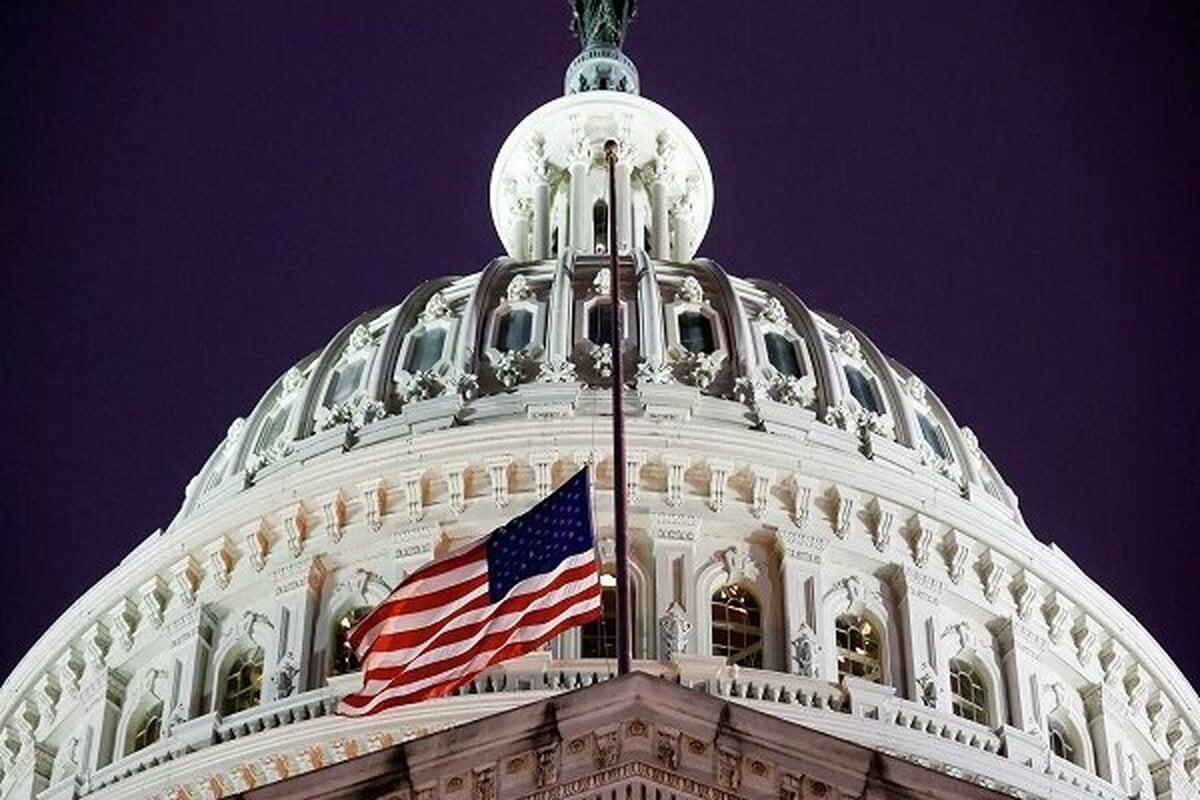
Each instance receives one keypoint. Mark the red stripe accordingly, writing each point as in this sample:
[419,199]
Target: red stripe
[401,675]
[400,640]
[392,606]
[509,651]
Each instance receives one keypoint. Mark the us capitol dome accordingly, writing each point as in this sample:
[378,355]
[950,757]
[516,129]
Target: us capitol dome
[816,542]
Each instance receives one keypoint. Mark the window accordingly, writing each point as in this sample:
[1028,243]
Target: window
[737,627]
[149,729]
[514,331]
[344,382]
[598,638]
[1060,741]
[862,389]
[272,428]
[599,323]
[600,226]
[243,683]
[344,659]
[425,350]
[932,433]
[696,332]
[781,352]
[857,649]
[967,692]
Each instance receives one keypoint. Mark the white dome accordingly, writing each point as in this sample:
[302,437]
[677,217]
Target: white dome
[779,465]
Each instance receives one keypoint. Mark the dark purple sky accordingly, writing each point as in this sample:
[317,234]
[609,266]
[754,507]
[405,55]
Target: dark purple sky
[193,196]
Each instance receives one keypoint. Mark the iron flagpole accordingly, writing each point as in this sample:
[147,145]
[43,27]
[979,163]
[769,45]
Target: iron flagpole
[620,501]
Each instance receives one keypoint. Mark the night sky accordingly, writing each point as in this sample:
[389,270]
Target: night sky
[1004,196]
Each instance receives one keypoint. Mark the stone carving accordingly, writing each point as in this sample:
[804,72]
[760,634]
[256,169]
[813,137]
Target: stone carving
[518,289]
[355,413]
[422,385]
[965,635]
[914,387]
[557,371]
[436,308]
[958,553]
[921,531]
[333,511]
[498,473]
[602,359]
[805,650]
[252,622]
[848,343]
[699,369]
[293,380]
[235,431]
[607,748]
[602,283]
[927,687]
[285,677]
[483,784]
[729,769]
[737,563]
[546,768]
[601,23]
[374,494]
[360,338]
[718,477]
[773,312]
[666,749]
[763,478]
[881,525]
[653,372]
[852,587]
[690,290]
[674,631]
[513,367]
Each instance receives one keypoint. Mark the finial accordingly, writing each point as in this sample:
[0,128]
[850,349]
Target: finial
[601,26]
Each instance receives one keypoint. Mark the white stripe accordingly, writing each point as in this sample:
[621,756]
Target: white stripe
[520,634]
[407,622]
[499,624]
[415,621]
[421,586]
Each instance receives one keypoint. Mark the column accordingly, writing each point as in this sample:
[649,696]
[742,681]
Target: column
[660,229]
[1021,649]
[918,602]
[624,209]
[683,234]
[639,224]
[581,211]
[803,585]
[674,540]
[541,221]
[191,636]
[519,233]
[1106,707]
[287,666]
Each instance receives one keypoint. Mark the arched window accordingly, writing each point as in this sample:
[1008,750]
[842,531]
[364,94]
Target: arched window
[1060,741]
[243,682]
[968,696]
[598,638]
[781,352]
[425,350]
[857,649]
[344,382]
[600,225]
[344,659]
[931,432]
[149,729]
[863,390]
[696,332]
[737,627]
[514,331]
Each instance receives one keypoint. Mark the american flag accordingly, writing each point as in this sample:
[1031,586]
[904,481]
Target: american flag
[490,601]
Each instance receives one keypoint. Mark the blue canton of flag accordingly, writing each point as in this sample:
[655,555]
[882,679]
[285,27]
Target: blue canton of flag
[540,539]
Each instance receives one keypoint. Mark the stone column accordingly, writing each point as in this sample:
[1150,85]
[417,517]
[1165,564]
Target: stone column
[624,209]
[287,665]
[683,233]
[918,602]
[101,698]
[801,553]
[520,229]
[674,541]
[581,211]
[191,637]
[1021,650]
[638,215]
[1107,710]
[660,226]
[541,221]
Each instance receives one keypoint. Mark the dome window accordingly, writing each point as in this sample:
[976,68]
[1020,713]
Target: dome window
[781,352]
[696,333]
[272,428]
[857,649]
[862,389]
[600,226]
[149,730]
[344,381]
[425,350]
[243,683]
[1060,741]
[344,658]
[737,627]
[514,331]
[967,692]
[931,432]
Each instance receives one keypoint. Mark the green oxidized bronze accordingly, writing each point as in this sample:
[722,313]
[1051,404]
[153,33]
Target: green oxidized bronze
[601,23]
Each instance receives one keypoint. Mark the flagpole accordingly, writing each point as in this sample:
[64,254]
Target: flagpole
[620,503]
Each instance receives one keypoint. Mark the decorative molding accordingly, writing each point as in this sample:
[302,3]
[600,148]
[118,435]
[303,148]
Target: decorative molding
[674,631]
[455,475]
[374,496]
[1025,594]
[414,493]
[674,527]
[219,562]
[257,541]
[295,526]
[958,554]
[763,478]
[718,479]
[121,623]
[881,521]
[543,462]
[801,545]
[333,512]
[498,473]
[1057,610]
[676,465]
[842,507]
[920,538]
[153,600]
[992,571]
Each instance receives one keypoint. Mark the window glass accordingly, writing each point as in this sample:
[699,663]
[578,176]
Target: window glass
[149,730]
[932,433]
[968,697]
[1060,741]
[272,428]
[857,648]
[344,382]
[737,627]
[243,683]
[599,323]
[696,333]
[598,638]
[514,331]
[344,659]
[426,349]
[862,390]
[781,352]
